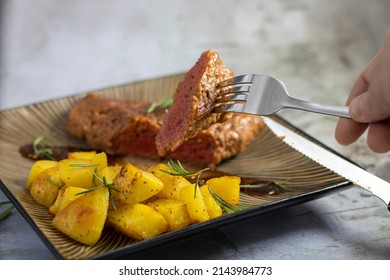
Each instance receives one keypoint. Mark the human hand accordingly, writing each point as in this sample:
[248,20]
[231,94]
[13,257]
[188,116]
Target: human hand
[369,104]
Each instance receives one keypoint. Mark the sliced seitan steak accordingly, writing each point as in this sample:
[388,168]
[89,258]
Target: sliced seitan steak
[122,127]
[193,104]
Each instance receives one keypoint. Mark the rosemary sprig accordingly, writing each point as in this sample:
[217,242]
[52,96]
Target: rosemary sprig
[7,211]
[178,170]
[226,206]
[163,103]
[40,150]
[105,184]
[280,185]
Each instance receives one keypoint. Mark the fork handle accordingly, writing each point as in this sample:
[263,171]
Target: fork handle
[339,111]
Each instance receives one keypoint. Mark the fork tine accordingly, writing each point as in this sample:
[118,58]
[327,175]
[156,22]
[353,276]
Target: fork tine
[233,90]
[232,95]
[231,98]
[230,104]
[242,79]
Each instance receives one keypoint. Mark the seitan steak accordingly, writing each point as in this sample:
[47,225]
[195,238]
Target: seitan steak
[122,127]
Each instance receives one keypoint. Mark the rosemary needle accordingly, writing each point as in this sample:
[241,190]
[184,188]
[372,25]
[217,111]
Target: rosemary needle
[163,103]
[83,165]
[178,170]
[40,150]
[226,206]
[58,185]
[280,185]
[105,184]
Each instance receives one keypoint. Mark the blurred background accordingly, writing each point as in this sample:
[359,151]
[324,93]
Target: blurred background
[51,49]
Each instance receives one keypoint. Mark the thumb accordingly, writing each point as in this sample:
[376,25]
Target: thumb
[366,108]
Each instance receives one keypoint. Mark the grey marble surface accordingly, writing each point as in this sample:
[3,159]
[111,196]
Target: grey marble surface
[50,49]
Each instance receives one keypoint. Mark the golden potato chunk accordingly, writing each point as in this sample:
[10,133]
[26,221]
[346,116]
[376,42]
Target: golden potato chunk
[109,173]
[82,154]
[44,188]
[100,160]
[227,188]
[172,184]
[84,218]
[174,211]
[213,208]
[65,196]
[135,185]
[195,204]
[138,221]
[77,172]
[37,168]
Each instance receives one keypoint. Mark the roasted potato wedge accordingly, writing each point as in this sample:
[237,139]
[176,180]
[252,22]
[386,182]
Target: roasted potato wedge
[37,168]
[135,185]
[138,221]
[172,184]
[174,211]
[65,196]
[82,154]
[213,208]
[226,187]
[100,160]
[109,173]
[77,172]
[84,218]
[196,206]
[44,188]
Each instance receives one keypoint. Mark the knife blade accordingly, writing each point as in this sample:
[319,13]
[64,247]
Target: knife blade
[353,173]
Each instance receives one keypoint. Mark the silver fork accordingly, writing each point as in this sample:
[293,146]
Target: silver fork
[264,95]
